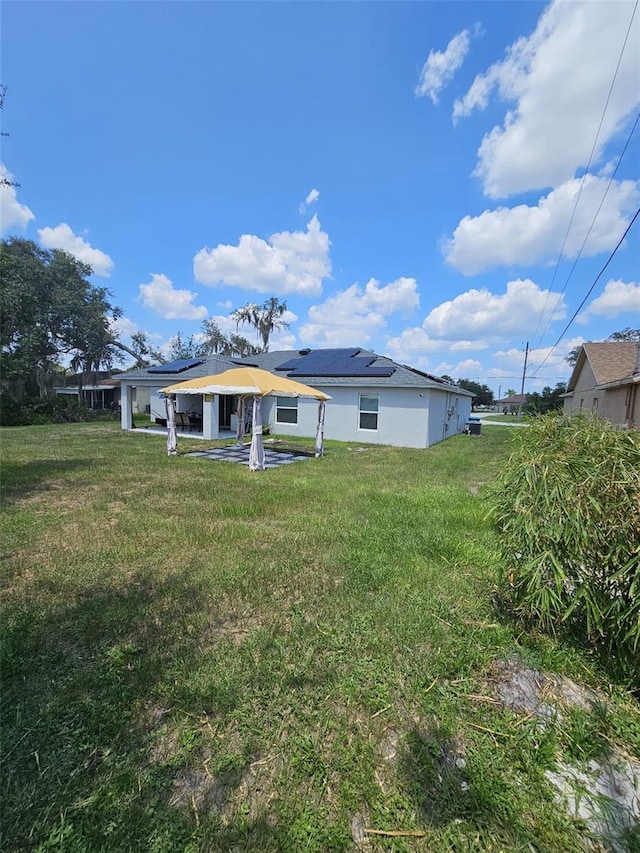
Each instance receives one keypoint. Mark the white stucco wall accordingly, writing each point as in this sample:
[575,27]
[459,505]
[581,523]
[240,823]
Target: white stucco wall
[407,417]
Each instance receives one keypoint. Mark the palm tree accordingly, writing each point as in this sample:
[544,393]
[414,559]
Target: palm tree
[264,318]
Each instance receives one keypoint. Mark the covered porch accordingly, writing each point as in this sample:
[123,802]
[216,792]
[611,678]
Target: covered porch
[207,416]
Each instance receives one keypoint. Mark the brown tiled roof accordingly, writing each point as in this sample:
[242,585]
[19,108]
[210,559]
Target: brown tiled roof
[611,360]
[514,398]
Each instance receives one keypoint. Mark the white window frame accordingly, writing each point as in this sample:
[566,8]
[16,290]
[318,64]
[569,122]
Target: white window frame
[362,411]
[289,404]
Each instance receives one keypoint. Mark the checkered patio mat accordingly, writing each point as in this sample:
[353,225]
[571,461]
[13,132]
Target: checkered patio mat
[272,458]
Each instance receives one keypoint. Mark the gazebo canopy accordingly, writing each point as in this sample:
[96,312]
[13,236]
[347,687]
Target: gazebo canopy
[245,381]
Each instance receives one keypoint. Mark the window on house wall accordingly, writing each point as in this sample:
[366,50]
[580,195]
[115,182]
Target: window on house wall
[594,405]
[581,404]
[286,410]
[368,412]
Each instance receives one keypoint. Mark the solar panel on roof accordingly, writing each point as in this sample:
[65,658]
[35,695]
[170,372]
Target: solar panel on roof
[314,358]
[335,362]
[176,366]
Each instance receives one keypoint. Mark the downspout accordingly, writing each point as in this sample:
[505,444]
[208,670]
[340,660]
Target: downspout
[631,400]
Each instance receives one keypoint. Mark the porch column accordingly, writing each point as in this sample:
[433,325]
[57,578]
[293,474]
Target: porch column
[126,415]
[210,419]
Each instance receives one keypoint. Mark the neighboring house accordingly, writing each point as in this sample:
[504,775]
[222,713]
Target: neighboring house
[511,405]
[605,380]
[373,399]
[101,392]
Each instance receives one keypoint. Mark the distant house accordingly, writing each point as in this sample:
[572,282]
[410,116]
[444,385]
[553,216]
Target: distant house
[511,405]
[373,399]
[101,391]
[605,379]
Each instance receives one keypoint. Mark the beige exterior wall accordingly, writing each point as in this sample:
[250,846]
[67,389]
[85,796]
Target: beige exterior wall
[619,404]
[612,405]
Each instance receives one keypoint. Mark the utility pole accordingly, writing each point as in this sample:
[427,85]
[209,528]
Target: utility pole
[524,374]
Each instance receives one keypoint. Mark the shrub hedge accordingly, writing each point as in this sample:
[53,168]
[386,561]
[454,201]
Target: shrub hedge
[59,409]
[567,507]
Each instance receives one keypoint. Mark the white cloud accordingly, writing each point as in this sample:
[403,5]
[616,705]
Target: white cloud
[290,262]
[555,364]
[13,214]
[414,344]
[441,66]
[482,314]
[523,235]
[160,296]
[470,368]
[62,237]
[123,327]
[618,297]
[352,316]
[313,195]
[282,340]
[559,79]
[458,346]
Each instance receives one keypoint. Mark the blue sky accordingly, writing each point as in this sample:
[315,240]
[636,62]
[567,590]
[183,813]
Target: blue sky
[402,174]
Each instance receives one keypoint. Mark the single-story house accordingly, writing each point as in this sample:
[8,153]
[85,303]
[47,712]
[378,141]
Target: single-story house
[511,405]
[373,398]
[101,391]
[605,379]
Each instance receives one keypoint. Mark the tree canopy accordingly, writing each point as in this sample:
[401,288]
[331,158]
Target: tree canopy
[264,318]
[549,400]
[50,311]
[483,394]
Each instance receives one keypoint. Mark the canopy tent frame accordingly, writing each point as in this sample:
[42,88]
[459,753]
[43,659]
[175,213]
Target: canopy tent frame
[251,382]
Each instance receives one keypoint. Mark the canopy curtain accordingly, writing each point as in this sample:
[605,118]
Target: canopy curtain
[256,453]
[240,425]
[172,435]
[320,429]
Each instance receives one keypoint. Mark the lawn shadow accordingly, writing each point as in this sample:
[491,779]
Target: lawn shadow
[21,479]
[446,789]
[80,688]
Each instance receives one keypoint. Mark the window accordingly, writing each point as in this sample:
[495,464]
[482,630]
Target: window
[594,405]
[368,412]
[286,410]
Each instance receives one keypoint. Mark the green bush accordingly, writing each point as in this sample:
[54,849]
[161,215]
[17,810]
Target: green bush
[567,508]
[57,410]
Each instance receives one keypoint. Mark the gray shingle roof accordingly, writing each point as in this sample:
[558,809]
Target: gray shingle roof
[211,364]
[402,376]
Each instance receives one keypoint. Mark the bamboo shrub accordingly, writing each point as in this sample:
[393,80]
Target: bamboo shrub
[567,507]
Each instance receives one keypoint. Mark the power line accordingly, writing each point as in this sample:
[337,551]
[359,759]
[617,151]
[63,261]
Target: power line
[593,221]
[588,293]
[582,182]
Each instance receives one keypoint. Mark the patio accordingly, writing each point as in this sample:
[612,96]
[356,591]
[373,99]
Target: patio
[240,455]
[232,453]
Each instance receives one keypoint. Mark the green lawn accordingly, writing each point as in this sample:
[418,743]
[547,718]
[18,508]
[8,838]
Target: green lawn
[501,419]
[202,659]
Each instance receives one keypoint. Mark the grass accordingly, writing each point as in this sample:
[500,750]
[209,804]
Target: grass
[202,659]
[501,419]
